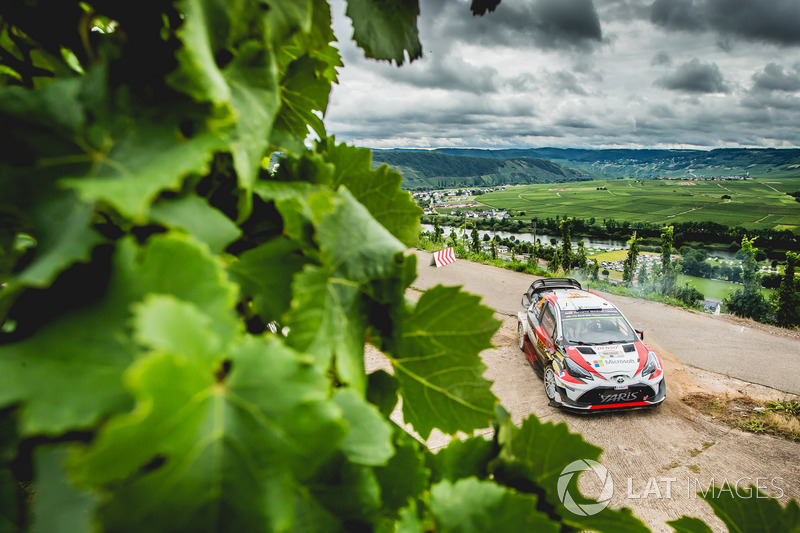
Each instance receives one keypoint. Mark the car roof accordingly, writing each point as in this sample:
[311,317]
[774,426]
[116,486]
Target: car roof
[580,300]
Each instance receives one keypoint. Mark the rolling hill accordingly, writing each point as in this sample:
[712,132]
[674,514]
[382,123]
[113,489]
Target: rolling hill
[449,167]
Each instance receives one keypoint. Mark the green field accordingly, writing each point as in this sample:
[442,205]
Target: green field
[754,204]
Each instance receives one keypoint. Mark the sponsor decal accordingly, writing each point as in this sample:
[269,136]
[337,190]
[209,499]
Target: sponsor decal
[628,396]
[577,295]
[611,361]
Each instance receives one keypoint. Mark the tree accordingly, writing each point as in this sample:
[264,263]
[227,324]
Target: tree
[629,265]
[476,241]
[669,271]
[749,302]
[437,230]
[565,255]
[788,305]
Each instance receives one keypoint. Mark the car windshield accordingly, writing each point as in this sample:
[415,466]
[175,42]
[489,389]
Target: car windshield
[597,330]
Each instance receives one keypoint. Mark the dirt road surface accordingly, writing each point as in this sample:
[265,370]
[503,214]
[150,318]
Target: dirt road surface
[658,459]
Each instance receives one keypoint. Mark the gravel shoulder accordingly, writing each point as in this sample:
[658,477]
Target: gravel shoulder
[658,458]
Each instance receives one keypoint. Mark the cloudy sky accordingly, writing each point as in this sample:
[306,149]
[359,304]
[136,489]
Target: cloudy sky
[580,73]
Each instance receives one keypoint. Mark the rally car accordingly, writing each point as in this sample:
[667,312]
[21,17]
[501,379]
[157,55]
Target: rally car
[586,351]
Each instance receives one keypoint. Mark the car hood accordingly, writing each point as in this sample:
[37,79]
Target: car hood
[610,359]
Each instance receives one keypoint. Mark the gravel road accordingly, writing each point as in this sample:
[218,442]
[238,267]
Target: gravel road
[658,459]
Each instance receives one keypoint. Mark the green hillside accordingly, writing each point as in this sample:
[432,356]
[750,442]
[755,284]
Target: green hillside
[753,203]
[426,169]
[622,163]
[456,167]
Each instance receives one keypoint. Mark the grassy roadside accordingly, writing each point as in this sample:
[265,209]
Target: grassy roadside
[780,418]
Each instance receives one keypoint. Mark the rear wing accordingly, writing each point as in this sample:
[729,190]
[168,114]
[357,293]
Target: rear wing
[548,284]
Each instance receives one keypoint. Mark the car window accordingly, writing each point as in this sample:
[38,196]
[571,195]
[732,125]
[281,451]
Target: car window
[597,330]
[548,320]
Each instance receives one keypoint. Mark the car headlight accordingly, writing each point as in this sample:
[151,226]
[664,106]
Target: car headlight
[575,370]
[651,365]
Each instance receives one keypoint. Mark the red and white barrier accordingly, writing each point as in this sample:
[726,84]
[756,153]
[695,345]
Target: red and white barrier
[444,257]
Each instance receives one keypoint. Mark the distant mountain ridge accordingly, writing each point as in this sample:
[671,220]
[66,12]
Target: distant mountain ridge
[449,167]
[436,169]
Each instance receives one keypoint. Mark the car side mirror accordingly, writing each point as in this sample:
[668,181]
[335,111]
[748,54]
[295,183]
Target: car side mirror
[526,300]
[640,333]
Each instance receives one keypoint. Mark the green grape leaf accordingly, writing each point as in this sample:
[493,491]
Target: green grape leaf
[748,510]
[378,190]
[386,29]
[265,275]
[328,315]
[473,506]
[537,453]
[223,447]
[304,93]
[327,320]
[405,476]
[131,181]
[369,439]
[436,360]
[59,505]
[64,236]
[92,346]
[382,391]
[246,87]
[203,222]
[168,325]
[686,524]
[462,459]
[349,491]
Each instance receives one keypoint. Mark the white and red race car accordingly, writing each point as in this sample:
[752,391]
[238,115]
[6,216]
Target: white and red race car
[586,351]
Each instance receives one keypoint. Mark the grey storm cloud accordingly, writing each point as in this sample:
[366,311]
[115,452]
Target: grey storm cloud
[445,72]
[661,58]
[566,81]
[772,21]
[546,24]
[695,77]
[773,78]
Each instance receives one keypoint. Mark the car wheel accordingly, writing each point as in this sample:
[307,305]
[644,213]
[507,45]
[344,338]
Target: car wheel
[550,382]
[521,336]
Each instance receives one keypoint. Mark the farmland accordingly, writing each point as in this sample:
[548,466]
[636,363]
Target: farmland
[753,204]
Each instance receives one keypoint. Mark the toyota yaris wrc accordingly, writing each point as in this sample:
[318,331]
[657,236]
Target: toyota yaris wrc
[586,351]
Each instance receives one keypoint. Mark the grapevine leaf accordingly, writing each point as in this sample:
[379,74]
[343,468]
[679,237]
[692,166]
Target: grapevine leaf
[247,86]
[686,524]
[405,476]
[225,446]
[748,510]
[386,29]
[382,391]
[437,363]
[378,190]
[327,317]
[203,222]
[59,505]
[166,324]
[350,491]
[536,454]
[304,92]
[43,372]
[369,439]
[473,506]
[265,273]
[63,236]
[131,181]
[462,459]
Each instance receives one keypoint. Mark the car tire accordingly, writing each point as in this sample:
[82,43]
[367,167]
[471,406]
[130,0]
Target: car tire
[521,336]
[550,382]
